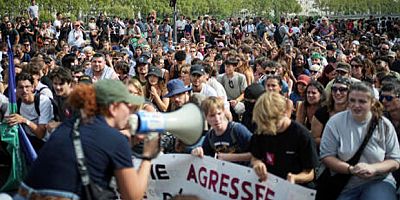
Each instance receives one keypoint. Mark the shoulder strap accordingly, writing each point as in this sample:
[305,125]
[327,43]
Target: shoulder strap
[372,124]
[210,139]
[233,133]
[37,103]
[80,156]
[19,102]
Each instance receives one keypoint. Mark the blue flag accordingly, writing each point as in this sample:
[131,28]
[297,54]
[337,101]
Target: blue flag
[20,152]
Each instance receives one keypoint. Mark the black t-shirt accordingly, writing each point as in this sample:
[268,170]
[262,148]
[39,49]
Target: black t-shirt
[105,149]
[12,33]
[322,115]
[290,151]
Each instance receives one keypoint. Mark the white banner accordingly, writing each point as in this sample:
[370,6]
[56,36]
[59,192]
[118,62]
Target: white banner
[212,179]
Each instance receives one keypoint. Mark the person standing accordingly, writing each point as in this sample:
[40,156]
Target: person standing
[75,36]
[33,10]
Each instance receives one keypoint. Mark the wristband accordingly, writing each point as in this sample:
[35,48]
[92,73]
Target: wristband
[146,158]
[27,122]
[348,169]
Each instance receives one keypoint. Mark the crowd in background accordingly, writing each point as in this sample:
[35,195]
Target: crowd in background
[332,76]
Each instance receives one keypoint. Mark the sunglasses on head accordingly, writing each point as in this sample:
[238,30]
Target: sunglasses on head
[340,89]
[341,72]
[387,97]
[230,82]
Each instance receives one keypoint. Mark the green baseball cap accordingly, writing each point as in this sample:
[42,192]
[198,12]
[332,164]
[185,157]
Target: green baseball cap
[316,55]
[110,91]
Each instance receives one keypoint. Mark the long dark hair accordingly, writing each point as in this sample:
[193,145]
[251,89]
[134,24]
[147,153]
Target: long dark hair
[321,91]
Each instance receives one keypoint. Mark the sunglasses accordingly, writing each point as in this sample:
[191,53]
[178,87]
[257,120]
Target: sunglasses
[340,89]
[387,97]
[313,71]
[357,66]
[230,82]
[270,72]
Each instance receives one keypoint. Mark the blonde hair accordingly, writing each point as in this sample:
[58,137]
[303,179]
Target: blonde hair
[211,104]
[271,108]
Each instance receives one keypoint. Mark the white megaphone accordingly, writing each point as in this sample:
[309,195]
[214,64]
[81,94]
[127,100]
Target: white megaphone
[186,124]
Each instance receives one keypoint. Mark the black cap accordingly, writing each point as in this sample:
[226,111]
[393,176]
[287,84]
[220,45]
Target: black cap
[143,60]
[155,71]
[146,54]
[197,69]
[254,91]
[330,47]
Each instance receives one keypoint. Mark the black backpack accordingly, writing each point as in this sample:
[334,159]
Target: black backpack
[277,36]
[56,116]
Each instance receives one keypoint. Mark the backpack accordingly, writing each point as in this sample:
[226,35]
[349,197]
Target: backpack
[36,101]
[278,36]
[232,135]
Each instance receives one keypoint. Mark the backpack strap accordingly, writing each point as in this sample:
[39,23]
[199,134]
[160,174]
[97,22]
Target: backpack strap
[19,102]
[37,103]
[232,135]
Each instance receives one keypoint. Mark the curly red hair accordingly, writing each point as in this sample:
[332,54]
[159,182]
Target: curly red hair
[83,97]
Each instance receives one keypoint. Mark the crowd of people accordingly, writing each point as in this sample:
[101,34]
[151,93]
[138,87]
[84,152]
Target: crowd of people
[289,98]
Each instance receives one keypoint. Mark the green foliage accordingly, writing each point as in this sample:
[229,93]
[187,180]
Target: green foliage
[352,7]
[194,8]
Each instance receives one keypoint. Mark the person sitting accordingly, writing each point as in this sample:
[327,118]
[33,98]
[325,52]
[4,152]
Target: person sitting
[225,140]
[280,145]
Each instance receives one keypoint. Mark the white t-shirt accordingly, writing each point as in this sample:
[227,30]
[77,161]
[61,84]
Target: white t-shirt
[33,11]
[46,113]
[343,135]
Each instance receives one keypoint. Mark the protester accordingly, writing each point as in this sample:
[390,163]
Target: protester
[228,51]
[276,135]
[337,102]
[345,132]
[225,140]
[105,108]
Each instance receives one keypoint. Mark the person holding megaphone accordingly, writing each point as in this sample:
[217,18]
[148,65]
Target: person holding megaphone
[84,153]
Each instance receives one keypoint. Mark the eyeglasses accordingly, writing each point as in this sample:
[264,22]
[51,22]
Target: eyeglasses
[340,89]
[384,49]
[270,72]
[387,97]
[230,82]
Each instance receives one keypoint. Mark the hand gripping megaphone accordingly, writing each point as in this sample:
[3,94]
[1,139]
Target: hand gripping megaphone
[186,124]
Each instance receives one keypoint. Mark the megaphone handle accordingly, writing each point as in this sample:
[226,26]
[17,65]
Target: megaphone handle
[151,147]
